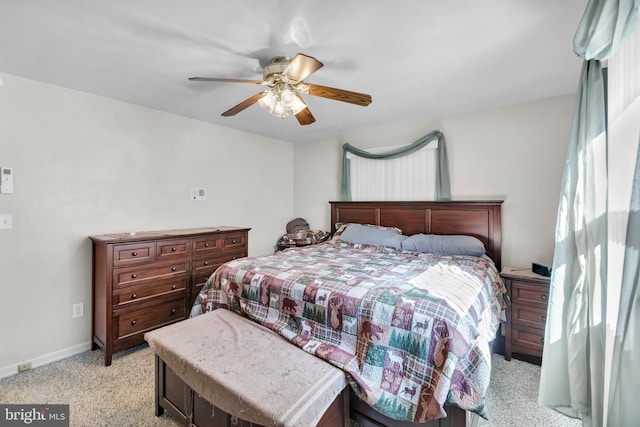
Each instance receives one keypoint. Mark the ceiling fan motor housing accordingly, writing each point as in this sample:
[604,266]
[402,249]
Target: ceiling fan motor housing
[277,66]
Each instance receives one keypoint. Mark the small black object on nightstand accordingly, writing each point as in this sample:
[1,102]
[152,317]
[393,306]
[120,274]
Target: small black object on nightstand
[540,269]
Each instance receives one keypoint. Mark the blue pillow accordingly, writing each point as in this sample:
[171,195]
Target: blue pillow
[444,244]
[356,233]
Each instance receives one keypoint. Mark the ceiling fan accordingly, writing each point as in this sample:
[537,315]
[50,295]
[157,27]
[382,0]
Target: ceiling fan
[284,78]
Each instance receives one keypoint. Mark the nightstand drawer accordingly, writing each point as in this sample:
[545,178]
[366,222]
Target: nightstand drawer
[529,294]
[527,338]
[525,315]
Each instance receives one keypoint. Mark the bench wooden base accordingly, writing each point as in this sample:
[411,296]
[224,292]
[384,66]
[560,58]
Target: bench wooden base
[174,396]
[177,398]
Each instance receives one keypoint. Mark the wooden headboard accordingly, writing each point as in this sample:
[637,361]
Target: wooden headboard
[480,219]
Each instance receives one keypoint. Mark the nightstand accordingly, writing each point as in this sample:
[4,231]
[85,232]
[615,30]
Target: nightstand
[527,314]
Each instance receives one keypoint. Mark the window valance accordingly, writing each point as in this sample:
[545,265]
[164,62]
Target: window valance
[443,188]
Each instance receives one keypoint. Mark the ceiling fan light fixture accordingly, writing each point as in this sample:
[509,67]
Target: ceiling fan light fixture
[281,101]
[270,102]
[290,100]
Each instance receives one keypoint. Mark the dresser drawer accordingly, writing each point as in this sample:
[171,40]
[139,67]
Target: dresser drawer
[135,253]
[150,317]
[533,317]
[195,291]
[173,249]
[529,294]
[198,281]
[205,265]
[230,255]
[234,241]
[147,290]
[207,244]
[131,275]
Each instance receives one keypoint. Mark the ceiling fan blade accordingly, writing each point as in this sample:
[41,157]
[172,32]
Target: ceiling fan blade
[215,79]
[244,104]
[301,67]
[339,94]
[305,117]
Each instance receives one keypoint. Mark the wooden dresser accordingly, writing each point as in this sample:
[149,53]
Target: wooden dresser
[527,315]
[146,280]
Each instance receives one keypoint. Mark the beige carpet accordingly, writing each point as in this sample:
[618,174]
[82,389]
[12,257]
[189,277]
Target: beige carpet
[118,395]
[512,398]
[123,393]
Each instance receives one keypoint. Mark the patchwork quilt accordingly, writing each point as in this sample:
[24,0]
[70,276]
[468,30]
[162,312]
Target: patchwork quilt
[411,330]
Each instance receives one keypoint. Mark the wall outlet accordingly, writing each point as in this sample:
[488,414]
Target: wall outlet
[24,366]
[78,310]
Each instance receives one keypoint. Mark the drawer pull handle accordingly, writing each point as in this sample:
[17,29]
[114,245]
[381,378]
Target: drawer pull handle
[206,263]
[233,241]
[173,311]
[134,296]
[173,269]
[173,287]
[134,254]
[206,245]
[173,249]
[544,297]
[133,276]
[133,322]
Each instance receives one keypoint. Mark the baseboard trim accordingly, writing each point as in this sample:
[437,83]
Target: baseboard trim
[7,371]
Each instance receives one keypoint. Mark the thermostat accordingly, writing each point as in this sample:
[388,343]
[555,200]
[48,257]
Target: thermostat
[6,180]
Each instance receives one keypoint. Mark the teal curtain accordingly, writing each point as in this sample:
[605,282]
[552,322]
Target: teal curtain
[572,372]
[573,367]
[443,188]
[624,409]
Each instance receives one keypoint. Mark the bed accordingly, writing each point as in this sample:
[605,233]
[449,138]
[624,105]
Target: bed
[411,329]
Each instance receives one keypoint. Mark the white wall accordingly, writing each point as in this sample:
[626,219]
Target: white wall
[515,154]
[87,165]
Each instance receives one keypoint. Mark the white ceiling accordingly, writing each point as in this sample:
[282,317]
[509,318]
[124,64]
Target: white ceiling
[418,59]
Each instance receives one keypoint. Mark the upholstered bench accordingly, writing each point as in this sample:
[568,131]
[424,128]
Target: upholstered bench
[223,366]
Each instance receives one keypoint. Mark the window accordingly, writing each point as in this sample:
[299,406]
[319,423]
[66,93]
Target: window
[410,177]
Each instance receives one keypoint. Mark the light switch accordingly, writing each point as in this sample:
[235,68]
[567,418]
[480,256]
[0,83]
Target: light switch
[198,193]
[6,221]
